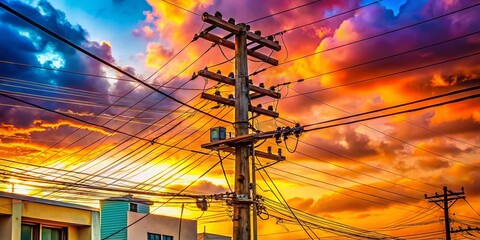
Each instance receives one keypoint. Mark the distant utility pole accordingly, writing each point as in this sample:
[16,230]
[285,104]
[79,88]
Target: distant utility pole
[242,143]
[448,198]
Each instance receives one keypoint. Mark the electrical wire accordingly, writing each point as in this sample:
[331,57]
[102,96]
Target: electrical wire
[284,11]
[223,169]
[281,196]
[378,35]
[78,48]
[146,215]
[397,106]
[471,207]
[182,8]
[399,112]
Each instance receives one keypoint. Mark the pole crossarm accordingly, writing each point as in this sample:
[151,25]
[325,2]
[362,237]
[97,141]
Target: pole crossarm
[231,81]
[253,137]
[231,45]
[231,102]
[235,29]
[448,199]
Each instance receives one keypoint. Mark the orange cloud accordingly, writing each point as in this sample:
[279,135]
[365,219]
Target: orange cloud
[71,124]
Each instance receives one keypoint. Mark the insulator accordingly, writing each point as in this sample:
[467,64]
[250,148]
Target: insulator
[258,32]
[270,38]
[297,130]
[250,81]
[262,85]
[278,135]
[202,204]
[231,20]
[218,14]
[247,27]
[194,75]
[272,88]
[270,108]
[269,149]
[219,72]
[279,152]
[231,75]
[286,133]
[217,93]
[230,96]
[259,105]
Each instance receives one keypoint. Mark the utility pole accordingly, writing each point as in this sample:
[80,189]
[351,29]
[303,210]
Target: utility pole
[242,143]
[448,198]
[241,211]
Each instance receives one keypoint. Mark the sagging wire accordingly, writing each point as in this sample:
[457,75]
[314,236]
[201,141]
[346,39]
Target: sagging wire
[224,55]
[288,149]
[262,210]
[258,70]
[223,169]
[283,133]
[284,45]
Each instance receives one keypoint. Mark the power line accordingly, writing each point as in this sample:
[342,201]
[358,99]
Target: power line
[284,11]
[396,113]
[365,164]
[345,188]
[146,215]
[182,8]
[354,181]
[96,75]
[286,203]
[83,121]
[397,106]
[377,35]
[73,45]
[151,105]
[327,225]
[405,142]
[389,74]
[471,207]
[382,58]
[327,18]
[118,162]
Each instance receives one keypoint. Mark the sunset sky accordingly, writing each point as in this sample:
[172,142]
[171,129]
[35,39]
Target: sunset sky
[67,118]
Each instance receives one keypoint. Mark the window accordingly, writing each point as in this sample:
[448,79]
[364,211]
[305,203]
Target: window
[49,233]
[153,236]
[133,207]
[31,231]
[166,237]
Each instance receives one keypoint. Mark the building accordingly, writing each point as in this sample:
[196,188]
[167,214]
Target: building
[29,218]
[119,212]
[211,236]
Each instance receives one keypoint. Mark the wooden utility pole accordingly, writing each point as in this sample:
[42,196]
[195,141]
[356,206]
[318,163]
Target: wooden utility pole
[241,211]
[448,198]
[242,143]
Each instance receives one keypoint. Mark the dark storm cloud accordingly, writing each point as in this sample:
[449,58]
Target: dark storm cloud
[23,43]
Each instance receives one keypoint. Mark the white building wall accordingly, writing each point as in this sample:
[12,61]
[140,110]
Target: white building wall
[160,225]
